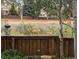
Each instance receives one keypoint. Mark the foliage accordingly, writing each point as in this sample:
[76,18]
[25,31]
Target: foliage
[32,8]
[25,29]
[67,31]
[6,29]
[12,54]
[13,9]
[28,10]
[51,7]
[68,10]
[33,29]
[54,29]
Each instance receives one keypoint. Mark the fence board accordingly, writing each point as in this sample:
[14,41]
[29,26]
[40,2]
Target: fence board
[38,45]
[68,46]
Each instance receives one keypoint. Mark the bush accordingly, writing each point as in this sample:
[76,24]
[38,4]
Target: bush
[12,54]
[25,29]
[6,29]
[13,10]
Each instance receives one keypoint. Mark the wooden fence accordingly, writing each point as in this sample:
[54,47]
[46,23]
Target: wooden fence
[30,17]
[38,45]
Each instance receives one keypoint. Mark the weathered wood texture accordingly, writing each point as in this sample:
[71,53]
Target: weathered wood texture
[38,45]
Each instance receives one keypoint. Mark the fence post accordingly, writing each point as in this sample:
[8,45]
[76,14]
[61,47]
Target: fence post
[13,41]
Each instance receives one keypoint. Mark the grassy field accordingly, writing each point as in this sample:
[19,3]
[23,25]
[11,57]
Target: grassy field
[36,27]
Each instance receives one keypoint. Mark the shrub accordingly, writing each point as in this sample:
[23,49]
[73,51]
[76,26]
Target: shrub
[12,54]
[6,29]
[13,10]
[25,29]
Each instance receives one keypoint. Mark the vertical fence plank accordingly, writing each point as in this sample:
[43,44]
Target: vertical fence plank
[71,48]
[2,45]
[65,47]
[57,47]
[51,44]
[37,45]
[13,43]
[24,45]
[5,43]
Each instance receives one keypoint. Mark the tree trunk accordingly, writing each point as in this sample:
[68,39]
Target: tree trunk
[61,34]
[21,13]
[75,28]
[61,40]
[47,16]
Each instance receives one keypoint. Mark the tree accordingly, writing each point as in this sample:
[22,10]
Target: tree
[38,7]
[32,8]
[13,10]
[28,9]
[68,9]
[62,9]
[48,7]
[61,34]
[75,28]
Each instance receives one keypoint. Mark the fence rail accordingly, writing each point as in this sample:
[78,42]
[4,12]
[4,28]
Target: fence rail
[29,17]
[38,45]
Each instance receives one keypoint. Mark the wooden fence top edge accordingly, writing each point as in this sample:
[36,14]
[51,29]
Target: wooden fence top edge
[38,36]
[34,36]
[31,36]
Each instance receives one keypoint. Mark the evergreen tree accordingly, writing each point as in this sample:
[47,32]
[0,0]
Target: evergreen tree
[13,10]
[32,8]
